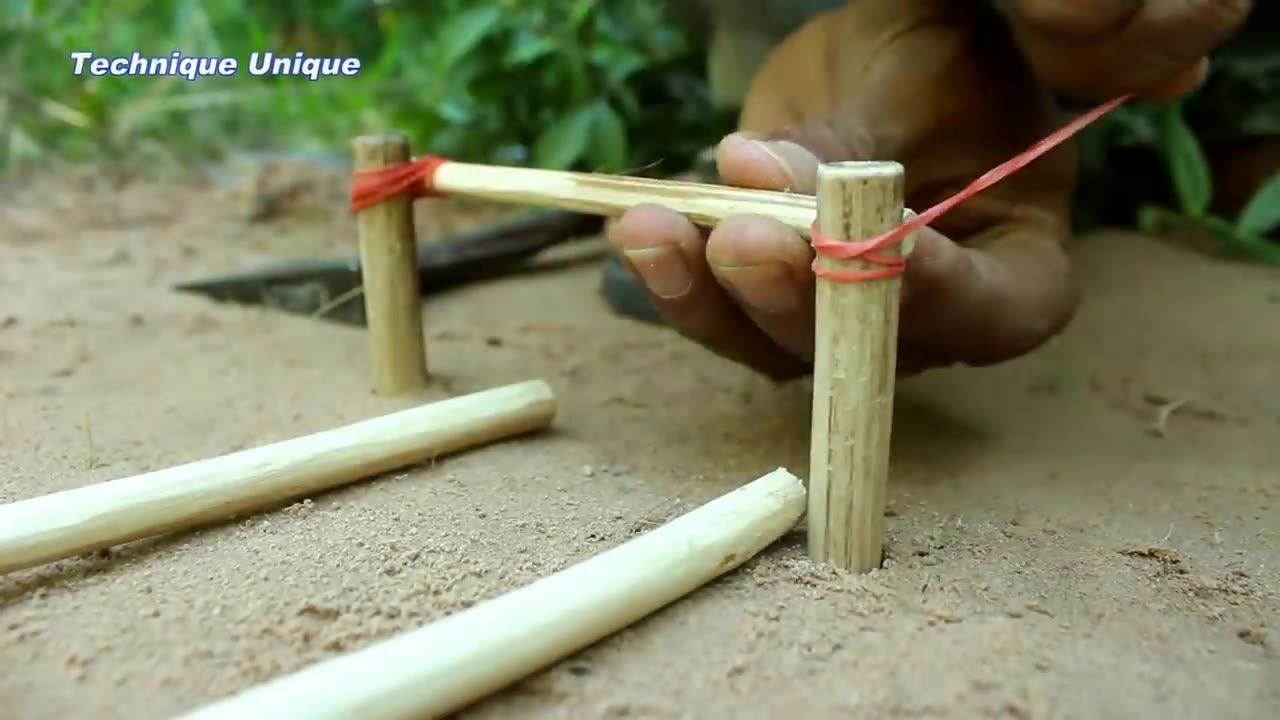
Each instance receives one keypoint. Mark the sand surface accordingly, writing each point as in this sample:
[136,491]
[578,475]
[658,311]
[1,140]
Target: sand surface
[1056,551]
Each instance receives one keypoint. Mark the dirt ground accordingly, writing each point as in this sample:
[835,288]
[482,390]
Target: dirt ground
[1089,532]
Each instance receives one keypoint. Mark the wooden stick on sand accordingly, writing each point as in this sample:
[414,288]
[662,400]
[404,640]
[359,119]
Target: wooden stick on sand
[445,665]
[64,524]
[855,358]
[389,266]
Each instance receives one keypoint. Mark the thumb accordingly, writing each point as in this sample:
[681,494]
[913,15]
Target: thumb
[787,160]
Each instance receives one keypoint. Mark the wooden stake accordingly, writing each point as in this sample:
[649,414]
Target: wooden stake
[65,524]
[855,359]
[443,666]
[389,266]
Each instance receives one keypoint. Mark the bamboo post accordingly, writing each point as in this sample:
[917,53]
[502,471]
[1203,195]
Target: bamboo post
[855,358]
[389,266]
[443,666]
[64,524]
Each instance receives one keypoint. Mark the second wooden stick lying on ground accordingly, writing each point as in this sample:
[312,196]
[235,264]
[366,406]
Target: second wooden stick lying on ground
[65,524]
[439,668]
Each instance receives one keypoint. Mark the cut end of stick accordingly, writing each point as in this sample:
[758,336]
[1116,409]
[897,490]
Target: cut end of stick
[862,169]
[370,152]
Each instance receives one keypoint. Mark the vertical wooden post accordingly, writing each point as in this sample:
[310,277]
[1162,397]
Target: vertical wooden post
[855,360]
[389,266]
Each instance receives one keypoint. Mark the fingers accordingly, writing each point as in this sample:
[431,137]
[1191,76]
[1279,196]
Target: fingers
[1097,49]
[1001,295]
[669,255]
[1181,84]
[747,162]
[746,290]
[1083,19]
[764,266]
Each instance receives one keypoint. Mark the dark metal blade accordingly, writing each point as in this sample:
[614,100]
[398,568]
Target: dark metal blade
[329,287]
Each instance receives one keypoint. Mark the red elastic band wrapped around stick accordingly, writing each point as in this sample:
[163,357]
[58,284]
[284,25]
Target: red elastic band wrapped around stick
[416,177]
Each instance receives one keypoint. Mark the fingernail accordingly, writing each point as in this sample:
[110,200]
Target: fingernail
[663,270]
[773,153]
[768,288]
[796,161]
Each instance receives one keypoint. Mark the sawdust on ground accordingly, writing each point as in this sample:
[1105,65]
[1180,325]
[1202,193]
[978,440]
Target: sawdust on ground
[1090,532]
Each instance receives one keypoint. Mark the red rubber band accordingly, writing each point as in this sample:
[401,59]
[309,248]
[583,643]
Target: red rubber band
[894,266]
[416,177]
[890,265]
[371,187]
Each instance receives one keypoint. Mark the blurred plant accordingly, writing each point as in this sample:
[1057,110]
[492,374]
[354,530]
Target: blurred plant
[1148,162]
[1193,185]
[609,85]
[599,84]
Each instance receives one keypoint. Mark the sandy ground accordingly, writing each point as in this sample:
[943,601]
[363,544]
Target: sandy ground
[1055,552]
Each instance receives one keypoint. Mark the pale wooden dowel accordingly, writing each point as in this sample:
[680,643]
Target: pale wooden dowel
[64,524]
[611,195]
[446,665]
[855,358]
[389,270]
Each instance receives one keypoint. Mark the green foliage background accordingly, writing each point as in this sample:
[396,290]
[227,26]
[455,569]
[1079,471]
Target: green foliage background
[608,85]
[599,84]
[1147,164]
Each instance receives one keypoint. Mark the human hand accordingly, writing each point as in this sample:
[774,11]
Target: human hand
[933,84]
[1098,49]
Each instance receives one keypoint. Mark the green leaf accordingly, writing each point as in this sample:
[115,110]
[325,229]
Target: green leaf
[461,33]
[527,48]
[1187,164]
[1220,229]
[451,142]
[608,148]
[579,12]
[618,64]
[1231,238]
[628,103]
[1262,213]
[565,141]
[456,111]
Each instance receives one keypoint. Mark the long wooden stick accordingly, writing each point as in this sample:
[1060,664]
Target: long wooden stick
[855,357]
[443,666]
[389,267]
[64,524]
[609,195]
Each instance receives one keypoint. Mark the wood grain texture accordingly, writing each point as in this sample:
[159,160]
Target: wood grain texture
[855,357]
[443,666]
[389,266]
[611,195]
[64,524]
